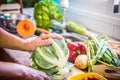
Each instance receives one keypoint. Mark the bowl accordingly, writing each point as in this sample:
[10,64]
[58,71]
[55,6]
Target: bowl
[87,76]
[9,21]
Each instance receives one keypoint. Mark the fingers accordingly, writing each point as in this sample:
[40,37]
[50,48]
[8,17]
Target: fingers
[47,78]
[42,40]
[32,74]
[51,35]
[42,76]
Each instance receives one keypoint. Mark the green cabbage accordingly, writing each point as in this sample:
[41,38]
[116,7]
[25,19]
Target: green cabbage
[52,58]
[45,11]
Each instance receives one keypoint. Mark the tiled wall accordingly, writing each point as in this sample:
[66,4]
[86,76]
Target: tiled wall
[96,15]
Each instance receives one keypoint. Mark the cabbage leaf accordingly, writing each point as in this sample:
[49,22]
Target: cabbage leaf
[52,58]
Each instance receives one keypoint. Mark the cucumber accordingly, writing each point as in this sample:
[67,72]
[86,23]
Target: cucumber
[77,28]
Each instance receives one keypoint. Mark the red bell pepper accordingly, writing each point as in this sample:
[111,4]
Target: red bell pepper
[75,49]
[72,46]
[72,56]
[81,47]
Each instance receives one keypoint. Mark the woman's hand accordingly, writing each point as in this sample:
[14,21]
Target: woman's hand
[14,71]
[11,41]
[51,35]
[42,40]
[32,74]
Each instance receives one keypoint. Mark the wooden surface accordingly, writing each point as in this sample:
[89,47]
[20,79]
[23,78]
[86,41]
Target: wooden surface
[21,57]
[108,72]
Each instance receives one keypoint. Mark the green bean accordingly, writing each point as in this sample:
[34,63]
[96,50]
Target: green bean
[99,52]
[102,37]
[113,54]
[106,58]
[100,61]
[92,51]
[90,66]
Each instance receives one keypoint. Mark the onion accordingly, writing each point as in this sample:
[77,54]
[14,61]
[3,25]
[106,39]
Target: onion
[81,61]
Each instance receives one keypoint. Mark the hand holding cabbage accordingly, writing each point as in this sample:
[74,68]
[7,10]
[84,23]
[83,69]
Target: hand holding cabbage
[52,59]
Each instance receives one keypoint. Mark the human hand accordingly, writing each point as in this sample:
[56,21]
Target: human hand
[51,35]
[32,74]
[42,40]
[12,71]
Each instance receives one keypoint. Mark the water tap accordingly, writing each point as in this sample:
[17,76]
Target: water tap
[64,4]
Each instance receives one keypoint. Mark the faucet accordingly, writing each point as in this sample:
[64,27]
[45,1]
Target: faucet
[63,4]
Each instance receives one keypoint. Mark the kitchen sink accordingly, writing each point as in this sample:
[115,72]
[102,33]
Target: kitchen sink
[73,36]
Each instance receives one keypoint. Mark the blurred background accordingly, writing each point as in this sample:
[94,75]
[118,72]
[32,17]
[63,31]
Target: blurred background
[26,3]
[99,16]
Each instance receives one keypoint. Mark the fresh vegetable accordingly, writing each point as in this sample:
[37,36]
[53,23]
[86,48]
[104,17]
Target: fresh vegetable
[25,28]
[77,28]
[87,76]
[72,56]
[62,73]
[98,50]
[75,49]
[90,65]
[82,47]
[44,30]
[52,58]
[39,31]
[81,61]
[46,11]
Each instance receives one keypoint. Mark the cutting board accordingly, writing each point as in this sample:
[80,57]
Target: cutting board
[107,71]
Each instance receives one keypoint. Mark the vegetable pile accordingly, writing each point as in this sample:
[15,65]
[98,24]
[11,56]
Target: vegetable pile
[45,11]
[99,51]
[93,51]
[51,59]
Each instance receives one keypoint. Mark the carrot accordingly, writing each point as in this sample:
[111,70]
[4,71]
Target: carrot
[44,30]
[26,28]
